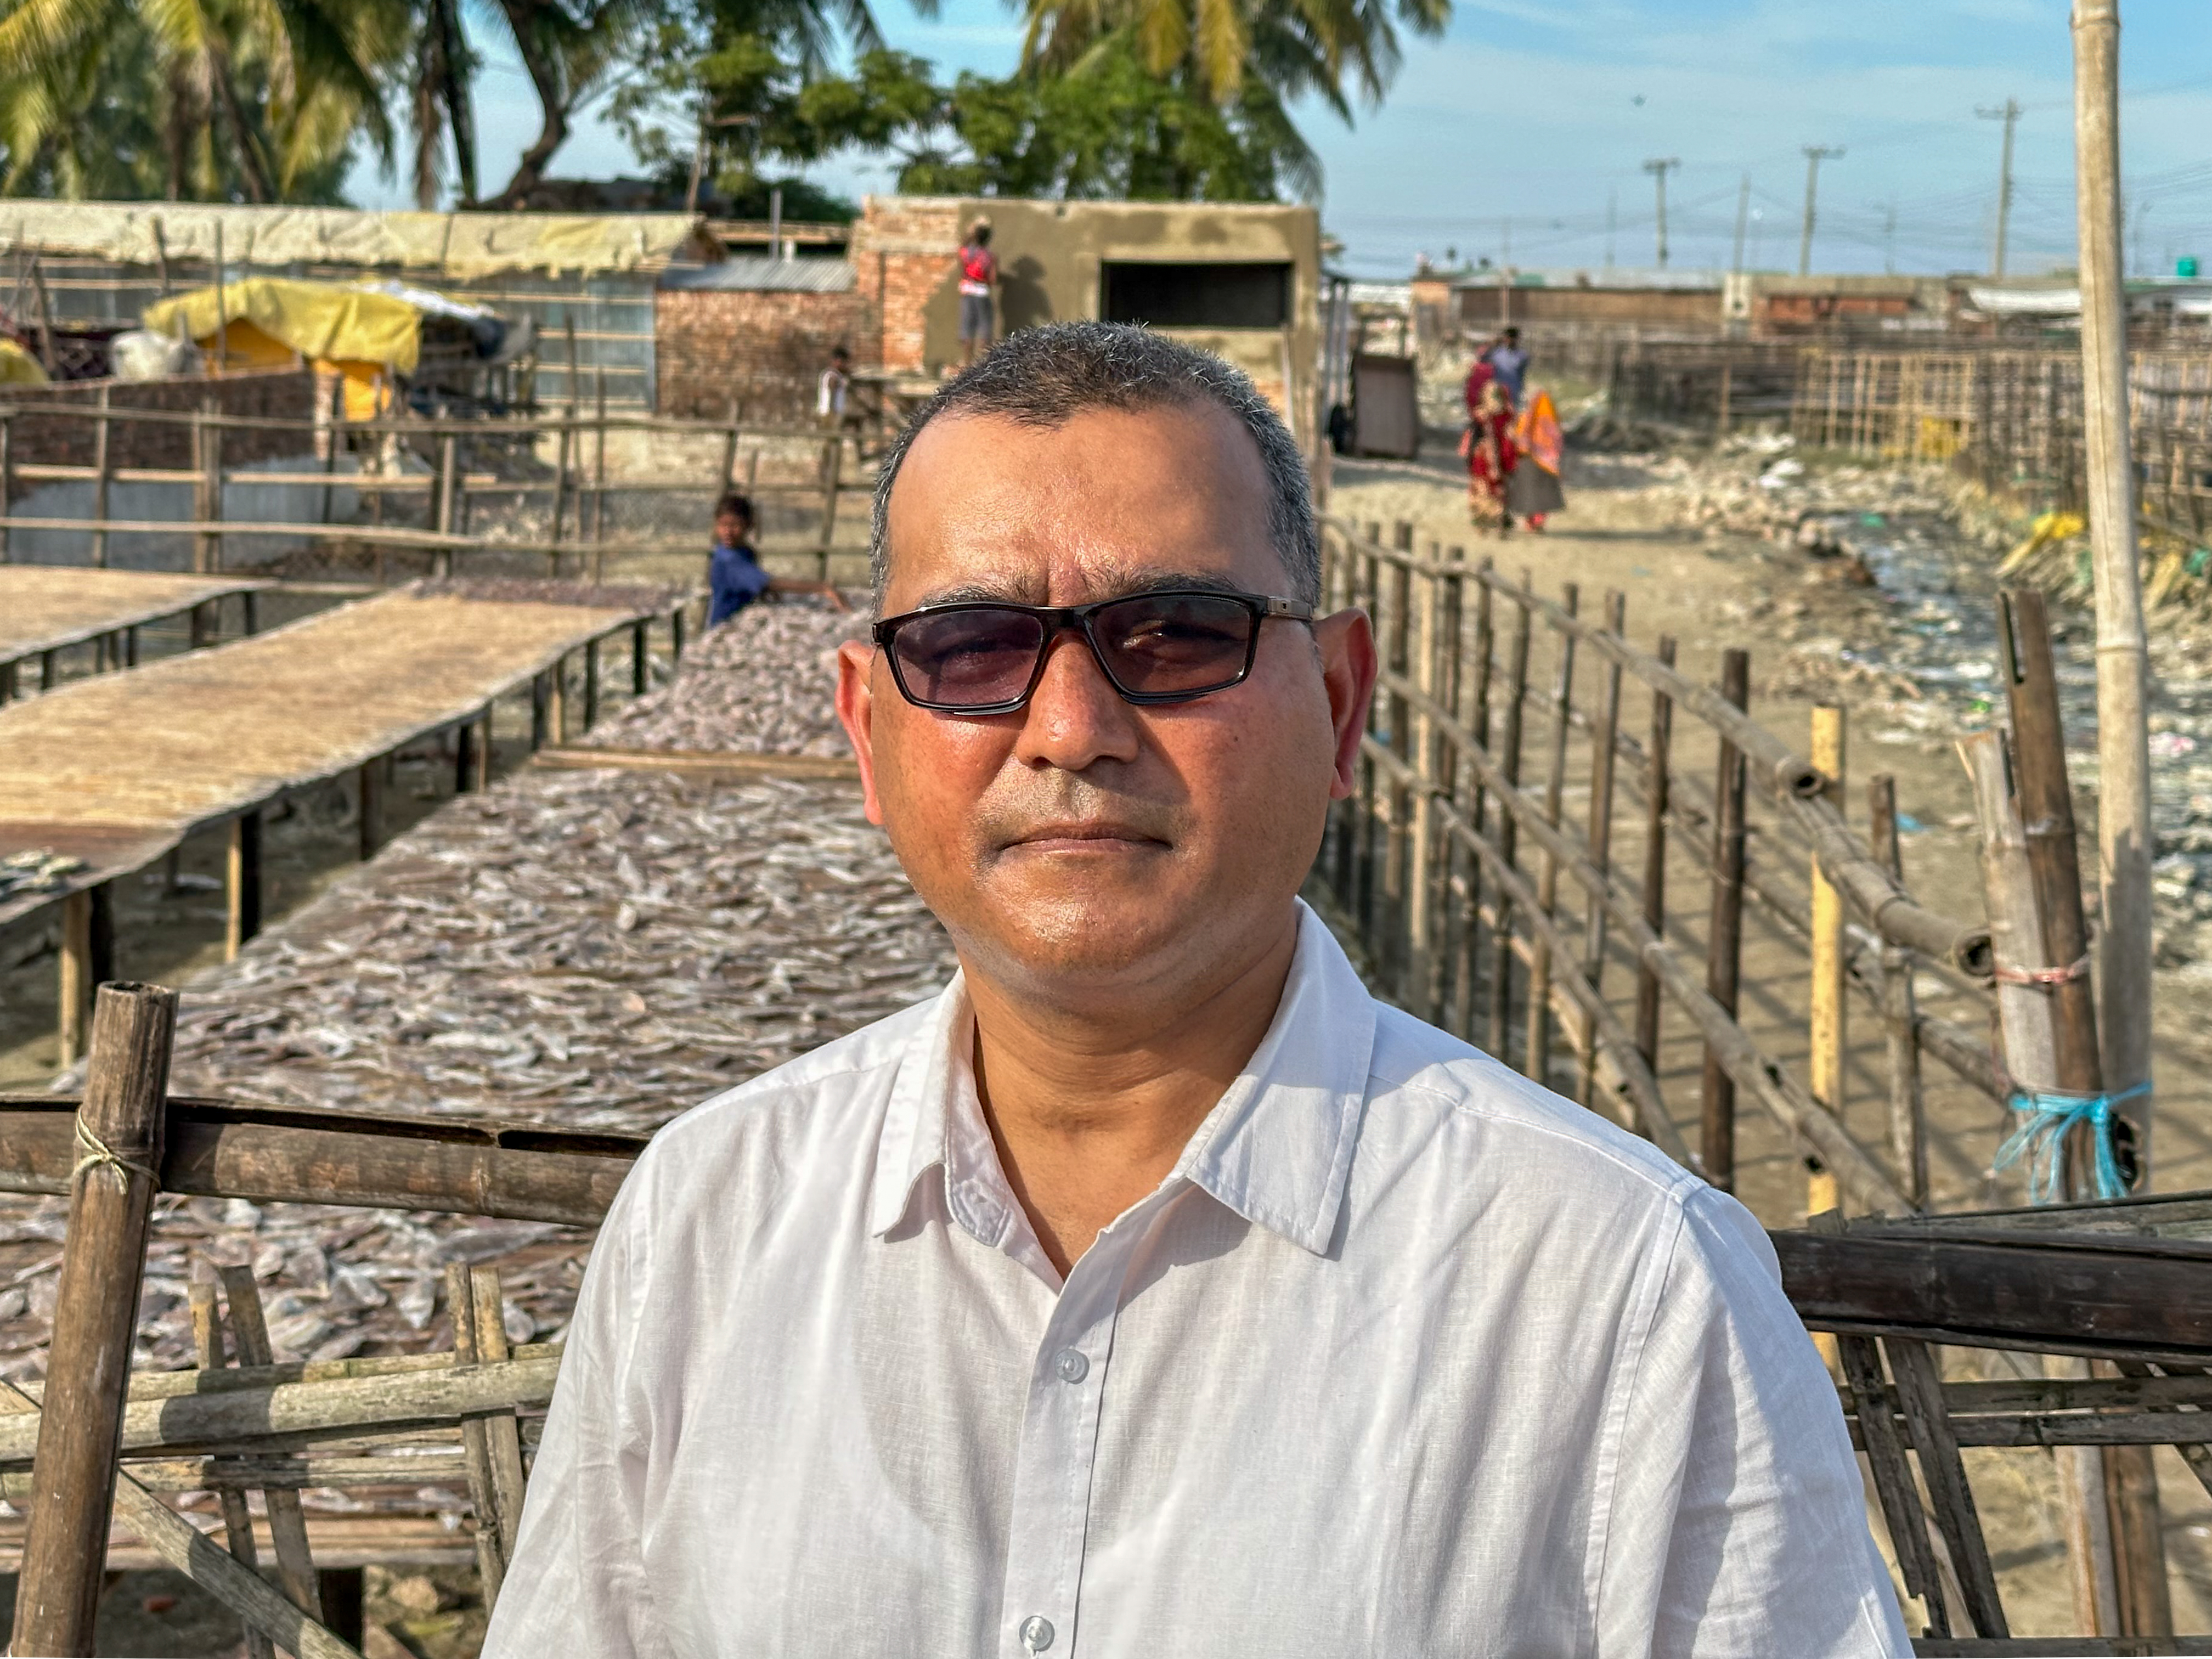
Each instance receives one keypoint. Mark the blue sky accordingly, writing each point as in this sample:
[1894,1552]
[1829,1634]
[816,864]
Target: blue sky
[1530,116]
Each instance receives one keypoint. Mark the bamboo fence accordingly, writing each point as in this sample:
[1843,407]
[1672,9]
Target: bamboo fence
[420,523]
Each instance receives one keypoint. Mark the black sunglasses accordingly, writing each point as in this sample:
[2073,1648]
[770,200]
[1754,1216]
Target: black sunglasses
[984,658]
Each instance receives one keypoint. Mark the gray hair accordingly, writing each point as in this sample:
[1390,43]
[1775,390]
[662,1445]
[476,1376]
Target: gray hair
[1044,376]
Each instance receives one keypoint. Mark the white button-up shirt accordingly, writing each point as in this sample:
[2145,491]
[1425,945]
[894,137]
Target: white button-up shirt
[1407,1357]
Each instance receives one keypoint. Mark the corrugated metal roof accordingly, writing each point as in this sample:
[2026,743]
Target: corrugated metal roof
[751,273]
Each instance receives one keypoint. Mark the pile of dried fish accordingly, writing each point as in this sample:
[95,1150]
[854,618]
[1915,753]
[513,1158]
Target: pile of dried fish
[36,870]
[582,949]
[763,681]
[654,598]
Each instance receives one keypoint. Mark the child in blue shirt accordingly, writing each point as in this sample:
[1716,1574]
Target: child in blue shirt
[734,576]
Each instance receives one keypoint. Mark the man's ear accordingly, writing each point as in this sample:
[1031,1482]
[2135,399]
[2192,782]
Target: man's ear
[1348,665]
[856,712]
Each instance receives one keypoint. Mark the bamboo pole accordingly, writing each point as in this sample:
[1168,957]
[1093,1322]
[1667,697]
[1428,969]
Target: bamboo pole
[1508,822]
[1824,1060]
[99,482]
[1396,623]
[287,1521]
[212,551]
[95,1319]
[1604,751]
[1908,1126]
[7,479]
[2125,841]
[1467,969]
[448,484]
[2026,1033]
[1724,932]
[599,477]
[2046,808]
[237,1521]
[1538,1063]
[242,885]
[1655,794]
[1420,941]
[75,977]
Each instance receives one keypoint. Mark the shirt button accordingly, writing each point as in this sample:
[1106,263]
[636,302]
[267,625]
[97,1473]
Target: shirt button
[1037,1633]
[1072,1365]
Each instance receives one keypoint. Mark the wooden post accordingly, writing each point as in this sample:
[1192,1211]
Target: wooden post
[1420,941]
[1908,1127]
[237,1520]
[1516,697]
[334,441]
[1396,625]
[491,1443]
[2046,808]
[79,972]
[7,479]
[288,1523]
[599,477]
[538,697]
[639,659]
[368,793]
[112,1190]
[1724,936]
[1478,726]
[464,760]
[675,635]
[243,887]
[1603,742]
[557,700]
[1825,1026]
[591,683]
[100,481]
[448,485]
[1721,424]
[727,471]
[483,751]
[833,470]
[2026,1033]
[1538,1063]
[213,553]
[2126,840]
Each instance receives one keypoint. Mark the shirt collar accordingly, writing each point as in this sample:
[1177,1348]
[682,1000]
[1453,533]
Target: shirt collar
[1277,1149]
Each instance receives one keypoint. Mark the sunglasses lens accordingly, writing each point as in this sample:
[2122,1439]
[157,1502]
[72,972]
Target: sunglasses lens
[968,658]
[1175,644]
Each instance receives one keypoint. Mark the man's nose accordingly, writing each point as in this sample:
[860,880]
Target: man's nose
[1075,716]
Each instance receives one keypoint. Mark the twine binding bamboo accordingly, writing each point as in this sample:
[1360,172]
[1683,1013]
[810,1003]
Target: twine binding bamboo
[2047,1115]
[99,1155]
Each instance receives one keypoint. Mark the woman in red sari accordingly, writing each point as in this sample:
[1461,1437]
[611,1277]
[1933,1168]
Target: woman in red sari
[1488,446]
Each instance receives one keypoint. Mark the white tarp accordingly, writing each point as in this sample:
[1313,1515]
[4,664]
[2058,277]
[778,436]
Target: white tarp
[452,245]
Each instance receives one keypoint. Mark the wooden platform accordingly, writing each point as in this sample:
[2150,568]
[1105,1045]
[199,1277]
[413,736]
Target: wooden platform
[47,608]
[116,771]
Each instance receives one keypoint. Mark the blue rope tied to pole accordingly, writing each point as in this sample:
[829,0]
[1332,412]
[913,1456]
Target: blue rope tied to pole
[2045,1117]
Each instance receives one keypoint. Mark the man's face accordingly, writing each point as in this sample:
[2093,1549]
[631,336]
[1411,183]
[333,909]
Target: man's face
[1083,848]
[730,528]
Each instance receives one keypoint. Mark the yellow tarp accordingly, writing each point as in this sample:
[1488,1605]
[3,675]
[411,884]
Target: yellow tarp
[18,366]
[315,319]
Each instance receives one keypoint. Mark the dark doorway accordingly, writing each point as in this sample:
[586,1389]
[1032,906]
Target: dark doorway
[1248,295]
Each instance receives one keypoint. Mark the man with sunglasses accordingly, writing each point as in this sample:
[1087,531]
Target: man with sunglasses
[1153,1290]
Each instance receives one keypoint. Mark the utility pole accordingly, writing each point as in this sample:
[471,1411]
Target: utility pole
[1814,154]
[1659,169]
[2010,116]
[1742,217]
[1889,237]
[1612,204]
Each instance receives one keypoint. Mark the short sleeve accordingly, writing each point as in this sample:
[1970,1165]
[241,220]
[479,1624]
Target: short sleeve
[1738,1525]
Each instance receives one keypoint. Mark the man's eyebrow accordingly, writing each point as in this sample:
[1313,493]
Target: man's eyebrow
[1129,586]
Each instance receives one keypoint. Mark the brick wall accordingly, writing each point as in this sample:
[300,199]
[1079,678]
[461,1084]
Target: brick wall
[902,253]
[52,439]
[765,350]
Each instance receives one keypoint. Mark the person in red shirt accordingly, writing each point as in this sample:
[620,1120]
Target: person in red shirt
[979,277]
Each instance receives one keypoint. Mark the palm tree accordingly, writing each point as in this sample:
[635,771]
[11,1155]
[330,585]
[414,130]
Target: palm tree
[1291,47]
[260,98]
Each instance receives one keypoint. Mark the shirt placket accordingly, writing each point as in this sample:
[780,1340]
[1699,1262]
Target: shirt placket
[1059,1450]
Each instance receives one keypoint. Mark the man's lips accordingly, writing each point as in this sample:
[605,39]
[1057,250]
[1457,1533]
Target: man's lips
[1089,836]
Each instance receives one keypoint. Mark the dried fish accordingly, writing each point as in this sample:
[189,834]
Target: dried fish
[763,682]
[588,949]
[36,870]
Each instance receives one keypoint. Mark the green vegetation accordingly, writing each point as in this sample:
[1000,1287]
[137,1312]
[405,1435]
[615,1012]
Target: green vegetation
[268,101]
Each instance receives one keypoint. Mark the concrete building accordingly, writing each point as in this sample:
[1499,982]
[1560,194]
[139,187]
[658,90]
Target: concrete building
[1240,280]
